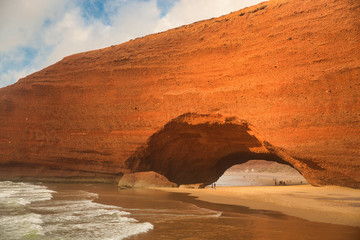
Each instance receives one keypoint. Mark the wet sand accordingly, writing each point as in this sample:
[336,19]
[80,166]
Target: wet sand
[179,214]
[330,204]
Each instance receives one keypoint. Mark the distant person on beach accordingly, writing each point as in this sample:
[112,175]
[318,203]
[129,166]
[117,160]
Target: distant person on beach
[214,185]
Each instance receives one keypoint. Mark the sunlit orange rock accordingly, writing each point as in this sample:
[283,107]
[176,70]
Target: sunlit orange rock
[278,81]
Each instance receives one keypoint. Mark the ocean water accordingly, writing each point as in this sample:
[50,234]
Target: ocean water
[100,211]
[33,211]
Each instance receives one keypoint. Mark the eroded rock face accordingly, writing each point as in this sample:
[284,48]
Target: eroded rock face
[199,148]
[290,69]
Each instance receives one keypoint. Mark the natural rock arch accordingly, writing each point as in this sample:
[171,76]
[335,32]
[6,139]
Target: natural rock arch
[297,81]
[199,148]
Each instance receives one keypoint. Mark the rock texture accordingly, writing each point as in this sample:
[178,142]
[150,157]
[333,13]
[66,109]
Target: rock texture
[277,81]
[144,179]
[205,146]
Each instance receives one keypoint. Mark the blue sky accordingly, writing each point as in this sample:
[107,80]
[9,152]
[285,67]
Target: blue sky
[38,33]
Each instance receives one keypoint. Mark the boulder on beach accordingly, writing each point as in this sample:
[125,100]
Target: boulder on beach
[144,179]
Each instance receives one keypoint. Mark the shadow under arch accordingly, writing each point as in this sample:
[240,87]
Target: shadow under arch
[199,148]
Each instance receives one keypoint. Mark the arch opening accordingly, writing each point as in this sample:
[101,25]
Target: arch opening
[198,149]
[260,173]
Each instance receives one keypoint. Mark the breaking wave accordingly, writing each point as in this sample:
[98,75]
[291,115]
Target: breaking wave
[32,211]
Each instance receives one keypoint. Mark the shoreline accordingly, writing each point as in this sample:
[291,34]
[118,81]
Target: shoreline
[329,204]
[177,214]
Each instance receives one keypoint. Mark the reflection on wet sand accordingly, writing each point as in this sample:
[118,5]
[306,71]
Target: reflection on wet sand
[177,215]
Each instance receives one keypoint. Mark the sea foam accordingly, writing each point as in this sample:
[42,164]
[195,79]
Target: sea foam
[32,211]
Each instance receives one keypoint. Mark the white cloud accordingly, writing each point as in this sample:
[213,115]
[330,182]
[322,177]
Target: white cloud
[136,19]
[69,35]
[189,11]
[21,21]
[57,28]
[8,77]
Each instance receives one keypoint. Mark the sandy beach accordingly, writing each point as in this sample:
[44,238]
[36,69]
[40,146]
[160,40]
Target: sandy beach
[173,214]
[330,204]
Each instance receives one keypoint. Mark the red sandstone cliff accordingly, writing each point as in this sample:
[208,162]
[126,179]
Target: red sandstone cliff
[278,81]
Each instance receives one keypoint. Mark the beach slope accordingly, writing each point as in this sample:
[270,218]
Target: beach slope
[330,204]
